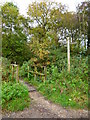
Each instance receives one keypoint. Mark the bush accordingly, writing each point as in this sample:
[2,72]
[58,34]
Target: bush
[59,58]
[14,96]
[24,70]
[5,68]
[73,86]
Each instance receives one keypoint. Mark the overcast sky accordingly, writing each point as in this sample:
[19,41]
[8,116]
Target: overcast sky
[23,4]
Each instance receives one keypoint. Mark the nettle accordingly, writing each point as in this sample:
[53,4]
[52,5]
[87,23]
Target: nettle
[14,96]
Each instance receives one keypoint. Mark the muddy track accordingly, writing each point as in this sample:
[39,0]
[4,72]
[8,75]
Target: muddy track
[42,108]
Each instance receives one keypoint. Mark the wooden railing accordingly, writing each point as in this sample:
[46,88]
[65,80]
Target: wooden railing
[35,72]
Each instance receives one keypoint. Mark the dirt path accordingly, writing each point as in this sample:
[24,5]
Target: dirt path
[42,108]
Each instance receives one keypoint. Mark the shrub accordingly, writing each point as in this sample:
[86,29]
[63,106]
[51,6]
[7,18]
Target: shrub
[24,70]
[5,68]
[14,96]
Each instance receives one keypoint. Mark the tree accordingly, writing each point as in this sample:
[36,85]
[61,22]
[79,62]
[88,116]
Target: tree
[45,17]
[82,13]
[39,42]
[14,39]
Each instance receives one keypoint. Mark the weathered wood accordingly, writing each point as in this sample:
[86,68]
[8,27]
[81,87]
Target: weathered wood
[17,74]
[68,54]
[14,65]
[12,72]
[37,73]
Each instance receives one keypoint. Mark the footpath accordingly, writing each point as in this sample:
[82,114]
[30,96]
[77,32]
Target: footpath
[42,108]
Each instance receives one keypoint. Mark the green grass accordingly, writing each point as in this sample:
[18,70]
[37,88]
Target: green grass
[66,89]
[15,96]
[73,99]
[17,104]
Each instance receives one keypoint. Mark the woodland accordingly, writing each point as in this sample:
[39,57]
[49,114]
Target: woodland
[37,43]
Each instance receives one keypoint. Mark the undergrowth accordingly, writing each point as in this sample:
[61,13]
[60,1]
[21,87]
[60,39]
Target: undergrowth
[66,89]
[15,96]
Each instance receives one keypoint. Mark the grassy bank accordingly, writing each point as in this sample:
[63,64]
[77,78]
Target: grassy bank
[15,96]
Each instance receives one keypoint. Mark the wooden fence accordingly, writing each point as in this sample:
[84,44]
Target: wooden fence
[17,72]
[36,73]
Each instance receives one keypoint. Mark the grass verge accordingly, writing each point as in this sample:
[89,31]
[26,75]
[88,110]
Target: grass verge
[15,96]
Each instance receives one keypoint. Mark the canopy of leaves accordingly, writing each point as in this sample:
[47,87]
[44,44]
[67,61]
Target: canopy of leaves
[14,39]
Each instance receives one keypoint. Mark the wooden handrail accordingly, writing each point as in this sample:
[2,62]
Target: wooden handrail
[37,73]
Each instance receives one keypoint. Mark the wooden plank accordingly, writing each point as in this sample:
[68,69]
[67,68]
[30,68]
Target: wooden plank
[14,65]
[37,73]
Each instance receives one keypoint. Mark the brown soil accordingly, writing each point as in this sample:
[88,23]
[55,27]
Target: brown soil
[42,108]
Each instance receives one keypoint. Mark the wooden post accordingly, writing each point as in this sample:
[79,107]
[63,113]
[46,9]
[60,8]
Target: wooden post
[68,53]
[12,72]
[45,72]
[35,76]
[28,71]
[17,73]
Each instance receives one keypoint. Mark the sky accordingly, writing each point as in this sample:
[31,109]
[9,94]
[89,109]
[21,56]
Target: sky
[23,4]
